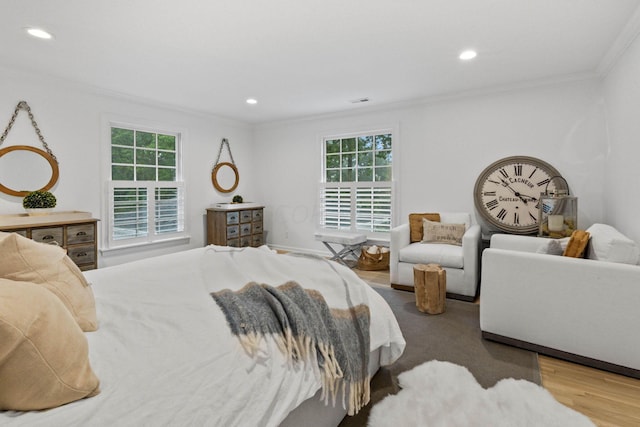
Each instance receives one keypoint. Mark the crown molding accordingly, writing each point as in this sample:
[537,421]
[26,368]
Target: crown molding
[626,37]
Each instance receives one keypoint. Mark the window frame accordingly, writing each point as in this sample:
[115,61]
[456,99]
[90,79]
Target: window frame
[152,237]
[352,186]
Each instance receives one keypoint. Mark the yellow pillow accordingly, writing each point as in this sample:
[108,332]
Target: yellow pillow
[25,260]
[44,355]
[436,232]
[577,244]
[415,224]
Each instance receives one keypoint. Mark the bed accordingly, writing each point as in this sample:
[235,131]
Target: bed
[164,353]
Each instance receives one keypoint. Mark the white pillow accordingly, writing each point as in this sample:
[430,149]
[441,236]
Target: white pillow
[608,244]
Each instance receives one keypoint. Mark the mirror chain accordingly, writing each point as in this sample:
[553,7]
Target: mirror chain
[22,105]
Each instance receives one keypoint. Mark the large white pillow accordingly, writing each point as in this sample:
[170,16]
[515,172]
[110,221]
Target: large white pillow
[608,244]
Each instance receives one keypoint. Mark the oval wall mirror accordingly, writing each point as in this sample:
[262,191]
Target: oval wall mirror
[225,177]
[24,168]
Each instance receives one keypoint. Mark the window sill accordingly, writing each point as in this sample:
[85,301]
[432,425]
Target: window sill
[151,245]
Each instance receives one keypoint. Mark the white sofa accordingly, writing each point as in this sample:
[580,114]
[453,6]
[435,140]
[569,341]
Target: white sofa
[462,263]
[583,310]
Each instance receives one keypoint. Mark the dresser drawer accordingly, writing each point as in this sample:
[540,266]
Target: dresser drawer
[245,241]
[52,235]
[245,229]
[233,218]
[245,216]
[258,240]
[23,232]
[84,233]
[234,243]
[257,227]
[82,254]
[257,214]
[233,231]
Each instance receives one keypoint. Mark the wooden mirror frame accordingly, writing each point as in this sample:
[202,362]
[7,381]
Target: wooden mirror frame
[55,172]
[214,177]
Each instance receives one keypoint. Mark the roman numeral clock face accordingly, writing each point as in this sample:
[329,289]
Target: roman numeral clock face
[507,193]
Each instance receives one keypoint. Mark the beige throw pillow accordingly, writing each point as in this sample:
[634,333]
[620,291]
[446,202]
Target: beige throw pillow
[25,260]
[44,355]
[436,232]
[415,224]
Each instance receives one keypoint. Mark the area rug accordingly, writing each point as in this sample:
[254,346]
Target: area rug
[452,336]
[440,393]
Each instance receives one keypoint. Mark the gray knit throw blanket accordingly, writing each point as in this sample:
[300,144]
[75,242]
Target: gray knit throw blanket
[306,330]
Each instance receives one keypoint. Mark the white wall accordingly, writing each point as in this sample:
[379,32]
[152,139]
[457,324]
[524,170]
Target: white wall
[622,94]
[70,118]
[443,147]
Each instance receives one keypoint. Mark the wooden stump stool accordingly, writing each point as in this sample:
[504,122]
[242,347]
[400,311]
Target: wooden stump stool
[430,282]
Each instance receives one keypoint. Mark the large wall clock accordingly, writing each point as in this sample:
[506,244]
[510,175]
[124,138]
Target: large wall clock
[507,193]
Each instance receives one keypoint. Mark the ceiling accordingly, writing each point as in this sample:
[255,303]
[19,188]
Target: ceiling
[307,57]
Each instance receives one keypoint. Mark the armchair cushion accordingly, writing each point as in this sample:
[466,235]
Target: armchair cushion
[415,224]
[450,256]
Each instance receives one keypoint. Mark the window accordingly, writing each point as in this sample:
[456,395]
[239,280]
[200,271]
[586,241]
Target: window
[146,202]
[356,190]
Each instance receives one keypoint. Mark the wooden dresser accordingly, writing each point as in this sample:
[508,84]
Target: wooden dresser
[235,227]
[75,231]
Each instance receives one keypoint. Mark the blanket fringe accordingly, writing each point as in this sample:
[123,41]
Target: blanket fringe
[355,395]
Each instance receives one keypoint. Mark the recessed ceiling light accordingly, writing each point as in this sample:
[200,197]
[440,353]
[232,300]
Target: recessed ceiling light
[467,55]
[39,33]
[252,101]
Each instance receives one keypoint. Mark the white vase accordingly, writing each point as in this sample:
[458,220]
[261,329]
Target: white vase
[38,211]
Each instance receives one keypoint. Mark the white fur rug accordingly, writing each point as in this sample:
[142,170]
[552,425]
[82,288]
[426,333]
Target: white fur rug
[444,394]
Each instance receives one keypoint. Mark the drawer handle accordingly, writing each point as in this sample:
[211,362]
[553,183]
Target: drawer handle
[81,254]
[48,237]
[81,233]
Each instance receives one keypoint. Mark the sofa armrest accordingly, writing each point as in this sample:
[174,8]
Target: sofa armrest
[471,248]
[516,242]
[575,305]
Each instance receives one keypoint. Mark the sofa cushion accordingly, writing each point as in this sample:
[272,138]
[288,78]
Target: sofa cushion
[577,244]
[450,256]
[608,244]
[436,232]
[415,224]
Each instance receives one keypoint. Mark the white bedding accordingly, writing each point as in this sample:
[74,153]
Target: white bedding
[165,356]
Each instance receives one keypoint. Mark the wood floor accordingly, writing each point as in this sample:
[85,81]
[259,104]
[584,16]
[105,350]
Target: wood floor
[608,399]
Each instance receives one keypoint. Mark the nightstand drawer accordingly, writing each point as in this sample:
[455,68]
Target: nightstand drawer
[84,233]
[82,254]
[52,236]
[257,227]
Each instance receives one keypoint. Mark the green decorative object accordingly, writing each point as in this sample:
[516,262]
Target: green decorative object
[39,200]
[237,199]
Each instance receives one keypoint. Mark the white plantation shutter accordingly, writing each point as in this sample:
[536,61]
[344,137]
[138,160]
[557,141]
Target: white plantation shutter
[146,211]
[129,213]
[373,207]
[169,217]
[354,207]
[336,207]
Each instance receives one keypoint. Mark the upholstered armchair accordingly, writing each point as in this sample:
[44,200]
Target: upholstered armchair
[461,263]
